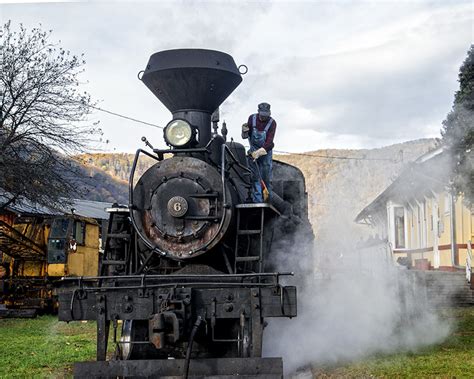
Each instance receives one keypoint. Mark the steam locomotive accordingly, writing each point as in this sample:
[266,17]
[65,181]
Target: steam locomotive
[187,276]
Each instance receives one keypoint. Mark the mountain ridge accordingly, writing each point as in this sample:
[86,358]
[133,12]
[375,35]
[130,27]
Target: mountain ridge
[341,184]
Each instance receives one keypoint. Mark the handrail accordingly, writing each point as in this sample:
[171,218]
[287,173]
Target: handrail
[130,201]
[469,262]
[143,277]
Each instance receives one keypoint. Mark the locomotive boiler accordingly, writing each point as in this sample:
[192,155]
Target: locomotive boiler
[188,274]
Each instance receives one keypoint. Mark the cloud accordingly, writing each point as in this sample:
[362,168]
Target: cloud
[356,73]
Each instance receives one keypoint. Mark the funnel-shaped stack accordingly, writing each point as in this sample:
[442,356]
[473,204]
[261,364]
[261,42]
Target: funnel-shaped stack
[191,79]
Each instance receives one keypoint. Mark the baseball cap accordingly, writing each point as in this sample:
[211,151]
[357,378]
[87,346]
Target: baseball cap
[264,109]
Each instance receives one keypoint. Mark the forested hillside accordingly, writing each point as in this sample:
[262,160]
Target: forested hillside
[105,176]
[93,183]
[118,165]
[338,188]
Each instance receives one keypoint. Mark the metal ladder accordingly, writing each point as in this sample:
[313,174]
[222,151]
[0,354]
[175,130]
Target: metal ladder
[248,212]
[114,236]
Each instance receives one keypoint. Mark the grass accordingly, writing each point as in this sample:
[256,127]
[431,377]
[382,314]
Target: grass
[43,347]
[46,348]
[454,358]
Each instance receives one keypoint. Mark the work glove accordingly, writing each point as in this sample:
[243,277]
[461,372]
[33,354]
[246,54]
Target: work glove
[245,131]
[258,153]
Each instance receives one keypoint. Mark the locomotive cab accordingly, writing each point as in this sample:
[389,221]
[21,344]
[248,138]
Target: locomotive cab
[73,247]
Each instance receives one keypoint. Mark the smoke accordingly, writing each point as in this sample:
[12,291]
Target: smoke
[352,302]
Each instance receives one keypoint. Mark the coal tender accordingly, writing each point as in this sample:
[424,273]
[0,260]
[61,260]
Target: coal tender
[188,273]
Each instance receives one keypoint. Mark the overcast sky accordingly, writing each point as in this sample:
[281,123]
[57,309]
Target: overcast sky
[338,74]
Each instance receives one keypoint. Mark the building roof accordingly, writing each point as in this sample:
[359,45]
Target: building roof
[428,173]
[84,208]
[91,209]
[24,206]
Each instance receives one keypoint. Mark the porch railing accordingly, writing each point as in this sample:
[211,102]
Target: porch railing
[469,262]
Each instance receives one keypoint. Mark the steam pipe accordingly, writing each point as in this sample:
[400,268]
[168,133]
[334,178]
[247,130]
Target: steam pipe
[190,345]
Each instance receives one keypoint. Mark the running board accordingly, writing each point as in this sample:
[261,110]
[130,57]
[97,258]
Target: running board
[216,368]
[17,313]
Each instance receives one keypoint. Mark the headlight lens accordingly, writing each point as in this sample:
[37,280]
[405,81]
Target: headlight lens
[178,133]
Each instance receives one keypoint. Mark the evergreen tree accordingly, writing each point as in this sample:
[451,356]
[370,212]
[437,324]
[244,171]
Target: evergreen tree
[458,131]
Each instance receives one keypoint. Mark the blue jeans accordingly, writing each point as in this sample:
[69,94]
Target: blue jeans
[265,167]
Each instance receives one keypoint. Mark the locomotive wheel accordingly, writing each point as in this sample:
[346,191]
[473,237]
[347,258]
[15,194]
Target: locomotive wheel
[137,331]
[244,344]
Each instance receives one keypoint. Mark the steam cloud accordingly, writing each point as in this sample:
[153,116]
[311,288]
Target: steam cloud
[352,302]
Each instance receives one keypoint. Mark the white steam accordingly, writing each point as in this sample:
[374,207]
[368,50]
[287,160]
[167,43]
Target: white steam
[352,302]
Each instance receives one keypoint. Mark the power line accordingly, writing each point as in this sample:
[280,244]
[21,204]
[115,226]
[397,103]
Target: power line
[335,156]
[276,151]
[125,117]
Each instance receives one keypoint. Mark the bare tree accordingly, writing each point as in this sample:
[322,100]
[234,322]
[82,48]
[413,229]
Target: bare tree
[43,116]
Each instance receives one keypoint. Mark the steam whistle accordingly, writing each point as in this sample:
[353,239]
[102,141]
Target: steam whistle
[215,122]
[224,131]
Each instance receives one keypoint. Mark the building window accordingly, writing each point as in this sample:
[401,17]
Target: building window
[79,232]
[399,213]
[447,204]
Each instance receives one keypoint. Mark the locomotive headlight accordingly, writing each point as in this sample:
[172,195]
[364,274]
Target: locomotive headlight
[178,133]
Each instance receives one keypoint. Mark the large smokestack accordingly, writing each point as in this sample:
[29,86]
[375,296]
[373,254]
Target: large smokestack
[192,83]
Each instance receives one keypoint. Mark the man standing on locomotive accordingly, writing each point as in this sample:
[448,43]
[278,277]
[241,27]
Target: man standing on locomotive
[260,130]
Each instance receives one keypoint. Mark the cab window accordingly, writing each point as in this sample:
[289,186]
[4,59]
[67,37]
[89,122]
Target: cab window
[59,228]
[79,232]
[57,240]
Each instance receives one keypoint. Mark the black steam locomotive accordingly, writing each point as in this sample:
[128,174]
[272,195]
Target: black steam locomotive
[188,273]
